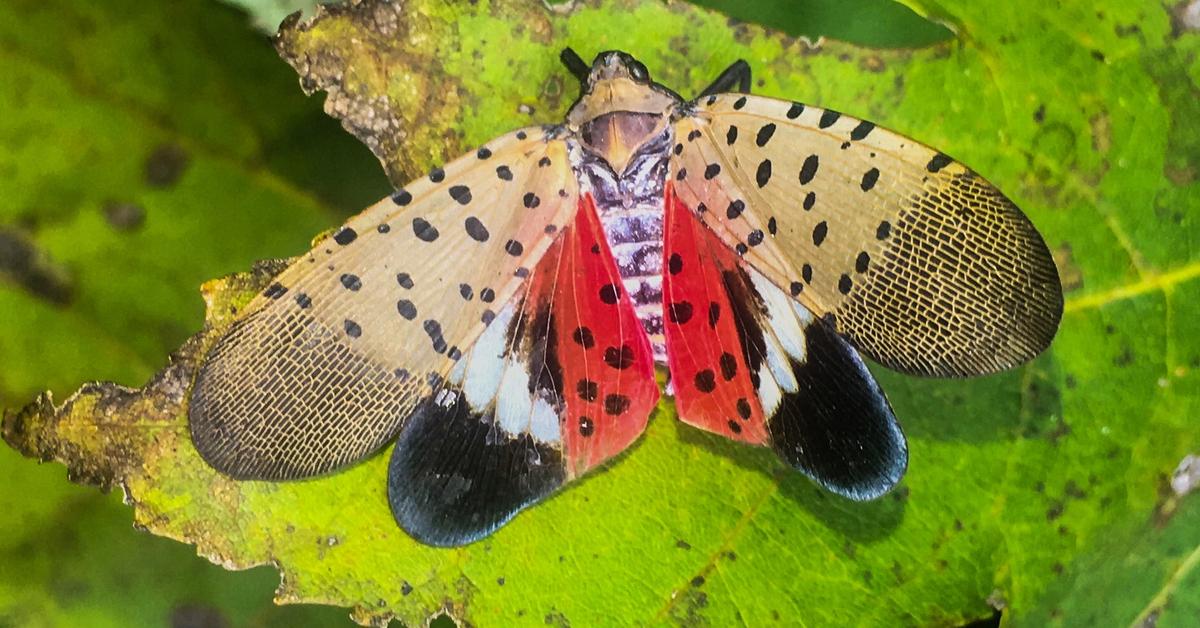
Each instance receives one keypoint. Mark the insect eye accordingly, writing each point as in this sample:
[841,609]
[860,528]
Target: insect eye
[639,71]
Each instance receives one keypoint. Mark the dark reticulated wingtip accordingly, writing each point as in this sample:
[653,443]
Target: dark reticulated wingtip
[455,477]
[839,428]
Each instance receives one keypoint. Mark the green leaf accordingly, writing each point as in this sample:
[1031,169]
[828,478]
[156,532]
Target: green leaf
[126,144]
[1083,114]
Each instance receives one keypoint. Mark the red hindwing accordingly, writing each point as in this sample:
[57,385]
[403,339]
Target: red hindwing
[705,317]
[607,365]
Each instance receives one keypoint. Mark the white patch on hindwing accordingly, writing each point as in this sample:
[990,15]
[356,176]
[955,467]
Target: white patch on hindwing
[485,364]
[494,376]
[784,322]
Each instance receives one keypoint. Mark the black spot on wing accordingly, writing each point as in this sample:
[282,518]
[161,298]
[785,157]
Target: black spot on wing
[455,478]
[838,428]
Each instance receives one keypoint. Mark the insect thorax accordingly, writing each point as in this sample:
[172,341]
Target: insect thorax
[631,212]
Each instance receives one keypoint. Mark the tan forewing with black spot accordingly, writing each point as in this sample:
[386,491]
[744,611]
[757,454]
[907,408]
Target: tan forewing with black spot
[324,366]
[924,265]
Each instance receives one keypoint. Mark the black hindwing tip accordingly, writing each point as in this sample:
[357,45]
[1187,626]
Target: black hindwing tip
[839,428]
[455,477]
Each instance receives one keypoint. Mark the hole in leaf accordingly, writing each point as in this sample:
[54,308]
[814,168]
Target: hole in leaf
[442,620]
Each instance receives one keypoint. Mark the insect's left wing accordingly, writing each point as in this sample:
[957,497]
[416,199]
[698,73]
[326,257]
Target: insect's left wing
[562,380]
[327,364]
[922,264]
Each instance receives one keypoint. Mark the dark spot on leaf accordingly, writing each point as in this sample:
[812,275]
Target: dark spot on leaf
[165,165]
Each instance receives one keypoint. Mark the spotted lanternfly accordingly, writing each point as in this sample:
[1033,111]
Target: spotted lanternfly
[501,318]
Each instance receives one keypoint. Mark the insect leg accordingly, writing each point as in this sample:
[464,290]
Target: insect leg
[736,76]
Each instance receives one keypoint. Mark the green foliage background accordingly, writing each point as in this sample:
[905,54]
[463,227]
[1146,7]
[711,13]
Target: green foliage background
[147,148]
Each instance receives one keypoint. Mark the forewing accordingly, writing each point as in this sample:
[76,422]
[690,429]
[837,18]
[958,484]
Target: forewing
[327,364]
[759,367]
[926,267]
[561,381]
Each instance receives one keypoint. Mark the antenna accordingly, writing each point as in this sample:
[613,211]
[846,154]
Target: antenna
[575,64]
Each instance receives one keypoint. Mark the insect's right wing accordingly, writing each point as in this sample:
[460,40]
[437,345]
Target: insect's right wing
[331,359]
[923,265]
[751,364]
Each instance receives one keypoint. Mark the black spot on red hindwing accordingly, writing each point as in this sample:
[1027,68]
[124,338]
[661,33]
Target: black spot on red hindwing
[610,293]
[587,390]
[586,427]
[619,358]
[705,380]
[675,264]
[680,312]
[615,404]
[743,408]
[583,337]
[714,313]
[728,365]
